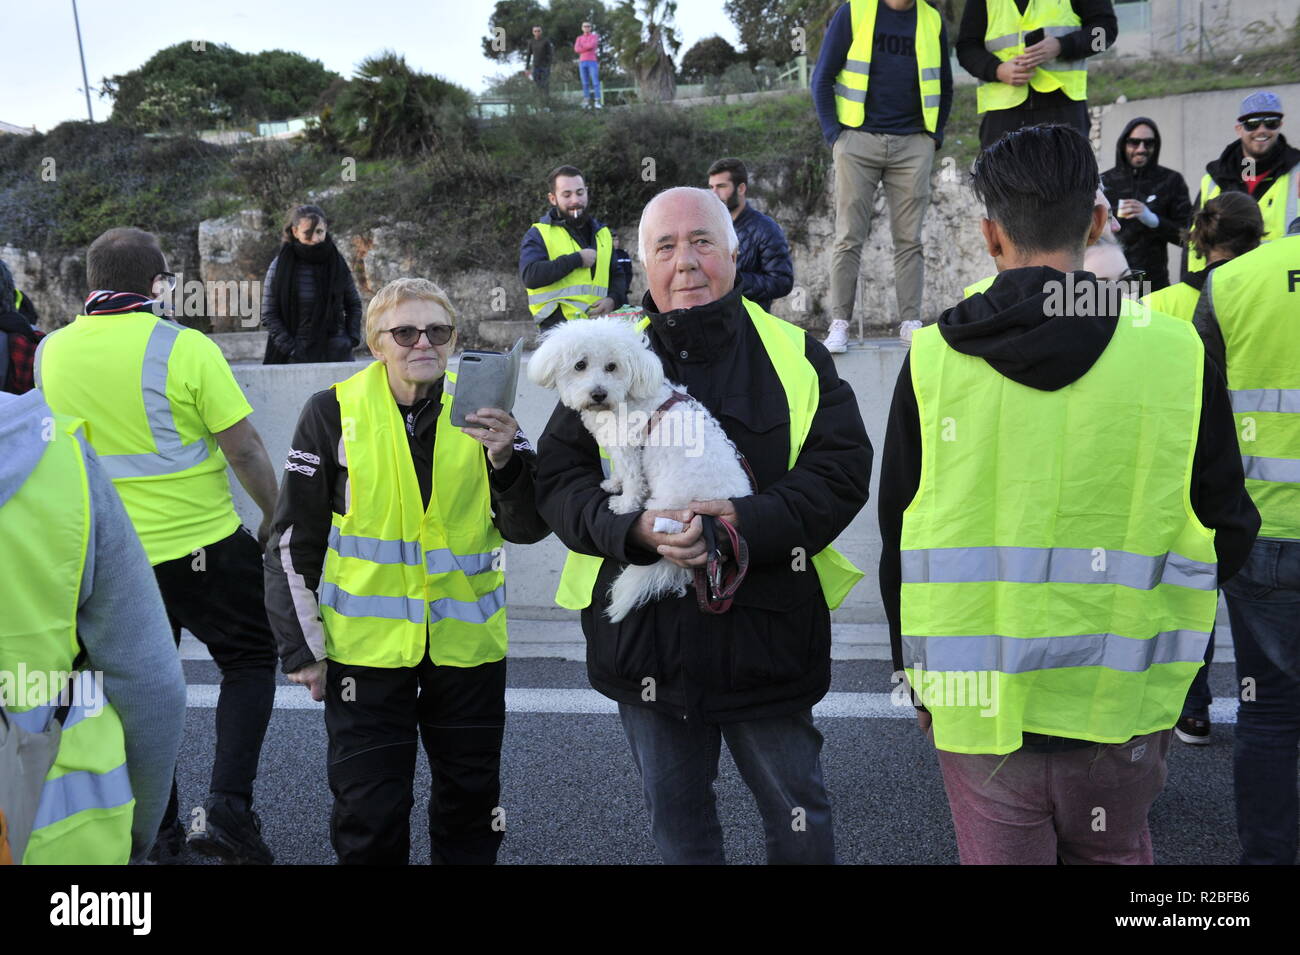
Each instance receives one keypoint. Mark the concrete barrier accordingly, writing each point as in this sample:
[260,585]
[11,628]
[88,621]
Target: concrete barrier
[277,394]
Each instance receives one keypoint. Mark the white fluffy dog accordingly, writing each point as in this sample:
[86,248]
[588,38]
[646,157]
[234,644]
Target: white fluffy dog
[603,369]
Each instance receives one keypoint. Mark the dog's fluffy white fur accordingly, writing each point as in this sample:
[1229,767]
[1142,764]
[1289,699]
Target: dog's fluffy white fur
[603,369]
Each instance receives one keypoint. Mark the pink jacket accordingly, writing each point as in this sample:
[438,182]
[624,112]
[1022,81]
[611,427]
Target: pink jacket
[585,46]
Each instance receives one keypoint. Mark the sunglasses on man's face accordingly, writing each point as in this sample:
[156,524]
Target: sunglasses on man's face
[1250,125]
[1136,141]
[408,335]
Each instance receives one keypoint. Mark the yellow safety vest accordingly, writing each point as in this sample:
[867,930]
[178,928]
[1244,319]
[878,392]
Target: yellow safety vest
[396,573]
[579,290]
[976,287]
[1177,300]
[86,806]
[1055,578]
[1277,205]
[1004,37]
[851,81]
[113,371]
[1256,298]
[784,344]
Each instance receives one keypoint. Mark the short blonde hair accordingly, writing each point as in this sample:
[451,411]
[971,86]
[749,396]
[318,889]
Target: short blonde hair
[403,290]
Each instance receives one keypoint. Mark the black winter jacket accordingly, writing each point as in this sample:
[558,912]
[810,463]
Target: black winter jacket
[1147,248]
[1007,328]
[345,329]
[770,654]
[314,488]
[764,265]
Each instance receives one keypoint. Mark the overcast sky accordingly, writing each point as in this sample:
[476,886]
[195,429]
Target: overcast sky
[40,80]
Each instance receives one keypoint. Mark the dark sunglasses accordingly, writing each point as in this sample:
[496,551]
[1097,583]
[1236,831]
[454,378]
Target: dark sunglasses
[1250,125]
[408,335]
[1136,141]
[1133,275]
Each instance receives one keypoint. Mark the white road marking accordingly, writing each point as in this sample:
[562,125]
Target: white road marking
[586,702]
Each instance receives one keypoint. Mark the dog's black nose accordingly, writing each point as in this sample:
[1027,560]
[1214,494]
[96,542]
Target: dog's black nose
[599,396]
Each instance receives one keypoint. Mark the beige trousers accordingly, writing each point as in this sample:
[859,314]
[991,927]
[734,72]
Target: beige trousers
[862,160]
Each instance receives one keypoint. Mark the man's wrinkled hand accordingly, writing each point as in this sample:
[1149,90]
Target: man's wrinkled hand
[588,257]
[311,676]
[603,307]
[722,508]
[685,549]
[1014,72]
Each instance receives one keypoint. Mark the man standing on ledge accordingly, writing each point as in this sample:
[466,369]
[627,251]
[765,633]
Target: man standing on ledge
[565,258]
[537,61]
[882,89]
[1030,57]
[764,265]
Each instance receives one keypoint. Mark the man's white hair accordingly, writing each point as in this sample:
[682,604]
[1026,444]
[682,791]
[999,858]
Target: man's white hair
[711,203]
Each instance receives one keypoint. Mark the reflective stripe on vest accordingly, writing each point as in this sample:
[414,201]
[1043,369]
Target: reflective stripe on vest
[71,793]
[1178,300]
[854,77]
[1077,588]
[1277,206]
[1004,37]
[784,345]
[574,293]
[85,810]
[399,575]
[1256,299]
[1055,565]
[173,455]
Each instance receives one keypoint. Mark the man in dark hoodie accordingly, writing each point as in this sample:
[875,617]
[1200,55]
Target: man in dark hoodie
[567,259]
[18,337]
[1150,201]
[1049,594]
[1260,163]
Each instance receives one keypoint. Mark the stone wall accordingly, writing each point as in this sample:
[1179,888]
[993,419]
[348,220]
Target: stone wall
[233,254]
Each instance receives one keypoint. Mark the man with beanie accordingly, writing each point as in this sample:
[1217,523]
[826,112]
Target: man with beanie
[1260,163]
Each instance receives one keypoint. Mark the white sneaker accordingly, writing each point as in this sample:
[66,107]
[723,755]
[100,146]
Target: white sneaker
[599,105]
[837,339]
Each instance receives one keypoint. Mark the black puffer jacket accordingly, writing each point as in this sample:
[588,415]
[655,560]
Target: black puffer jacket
[770,654]
[1163,191]
[343,334]
[764,267]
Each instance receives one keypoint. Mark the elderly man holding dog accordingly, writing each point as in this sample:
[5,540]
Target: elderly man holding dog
[685,675]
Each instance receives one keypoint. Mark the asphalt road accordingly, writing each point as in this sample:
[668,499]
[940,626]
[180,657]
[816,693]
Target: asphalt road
[571,794]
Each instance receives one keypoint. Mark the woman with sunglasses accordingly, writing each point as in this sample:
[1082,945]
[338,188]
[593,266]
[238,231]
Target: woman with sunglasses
[386,561]
[310,306]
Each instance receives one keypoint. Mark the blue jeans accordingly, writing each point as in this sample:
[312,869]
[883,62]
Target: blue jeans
[779,759]
[589,70]
[1264,607]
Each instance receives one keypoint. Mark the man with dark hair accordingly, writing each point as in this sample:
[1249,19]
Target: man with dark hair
[1259,162]
[882,90]
[1150,200]
[566,259]
[1049,593]
[1030,57]
[764,267]
[537,60]
[165,416]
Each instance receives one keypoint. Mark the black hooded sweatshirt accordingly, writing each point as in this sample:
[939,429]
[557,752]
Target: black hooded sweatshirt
[1163,191]
[1007,328]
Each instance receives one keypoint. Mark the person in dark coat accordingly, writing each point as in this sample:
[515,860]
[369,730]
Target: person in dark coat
[764,267]
[18,337]
[1150,201]
[686,679]
[311,309]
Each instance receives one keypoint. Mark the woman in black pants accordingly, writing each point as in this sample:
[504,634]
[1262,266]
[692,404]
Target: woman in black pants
[310,306]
